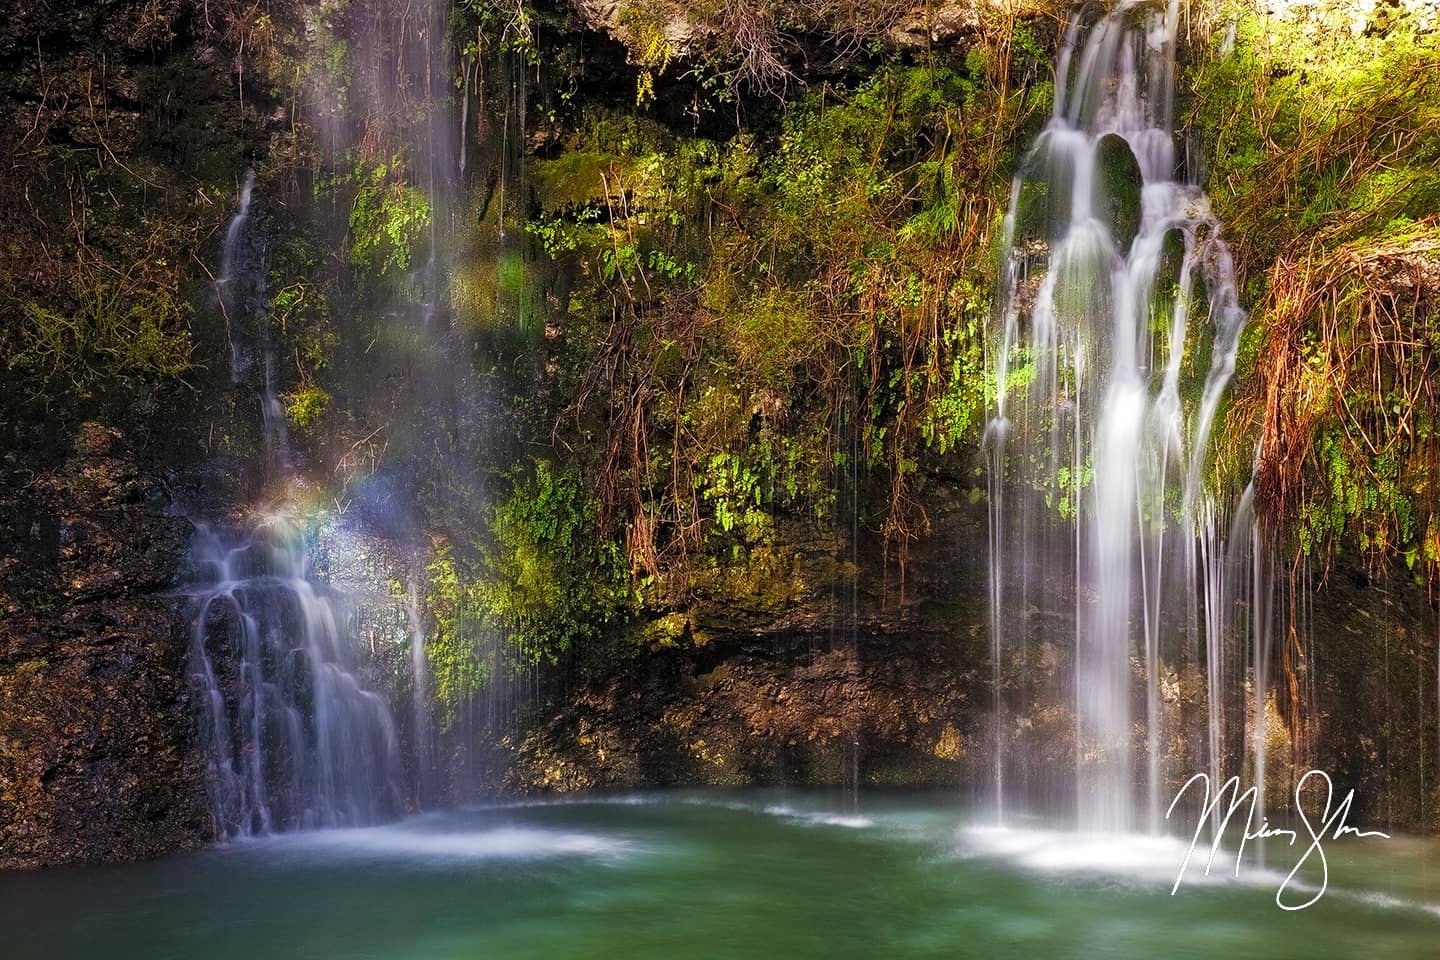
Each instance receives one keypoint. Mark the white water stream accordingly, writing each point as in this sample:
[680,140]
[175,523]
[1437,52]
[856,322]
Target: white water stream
[1112,350]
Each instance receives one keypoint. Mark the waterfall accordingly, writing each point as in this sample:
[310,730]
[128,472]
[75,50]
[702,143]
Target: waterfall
[1112,345]
[292,737]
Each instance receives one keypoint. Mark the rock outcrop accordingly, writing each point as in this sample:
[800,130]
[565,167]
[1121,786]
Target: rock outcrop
[96,758]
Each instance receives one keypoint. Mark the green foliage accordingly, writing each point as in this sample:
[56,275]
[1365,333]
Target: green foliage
[1353,498]
[784,313]
[454,653]
[733,489]
[1326,167]
[334,60]
[507,27]
[305,405]
[1025,43]
[301,312]
[539,581]
[957,413]
[1358,383]
[649,49]
[1316,134]
[388,218]
[112,335]
[775,332]
[847,165]
[551,581]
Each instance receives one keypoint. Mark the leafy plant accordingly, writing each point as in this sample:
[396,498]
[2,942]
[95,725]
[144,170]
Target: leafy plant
[387,220]
[550,580]
[305,406]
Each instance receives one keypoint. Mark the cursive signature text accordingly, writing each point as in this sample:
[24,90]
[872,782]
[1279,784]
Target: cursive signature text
[1331,825]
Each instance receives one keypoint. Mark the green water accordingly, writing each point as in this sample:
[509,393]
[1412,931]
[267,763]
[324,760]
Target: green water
[712,874]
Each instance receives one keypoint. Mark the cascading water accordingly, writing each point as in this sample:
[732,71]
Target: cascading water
[1114,343]
[242,296]
[293,738]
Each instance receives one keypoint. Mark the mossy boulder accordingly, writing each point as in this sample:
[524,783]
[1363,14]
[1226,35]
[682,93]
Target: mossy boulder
[1118,186]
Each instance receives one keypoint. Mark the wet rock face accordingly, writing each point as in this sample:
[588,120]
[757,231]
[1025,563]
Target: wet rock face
[896,710]
[846,676]
[1369,712]
[1118,186]
[72,41]
[96,758]
[790,692]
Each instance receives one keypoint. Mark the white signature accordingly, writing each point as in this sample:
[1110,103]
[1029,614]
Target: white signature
[1331,826]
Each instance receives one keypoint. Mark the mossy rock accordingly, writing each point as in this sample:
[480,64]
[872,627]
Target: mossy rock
[575,179]
[1042,211]
[1032,213]
[1166,287]
[1118,185]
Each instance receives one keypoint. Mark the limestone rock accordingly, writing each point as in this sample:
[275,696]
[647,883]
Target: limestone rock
[618,18]
[937,25]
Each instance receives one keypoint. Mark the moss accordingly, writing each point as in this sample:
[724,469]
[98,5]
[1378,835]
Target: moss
[1036,216]
[671,630]
[305,406]
[575,179]
[113,334]
[1118,183]
[511,274]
